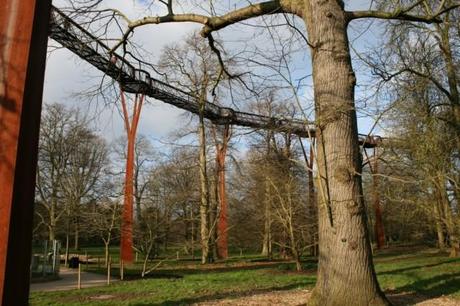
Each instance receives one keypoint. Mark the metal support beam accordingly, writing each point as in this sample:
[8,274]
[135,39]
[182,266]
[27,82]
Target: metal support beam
[23,40]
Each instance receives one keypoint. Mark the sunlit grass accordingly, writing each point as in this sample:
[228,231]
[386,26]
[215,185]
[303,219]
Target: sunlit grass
[423,272]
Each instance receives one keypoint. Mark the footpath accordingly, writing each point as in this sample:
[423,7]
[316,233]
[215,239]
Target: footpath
[68,280]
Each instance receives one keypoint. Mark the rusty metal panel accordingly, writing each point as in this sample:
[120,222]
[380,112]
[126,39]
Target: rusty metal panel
[23,40]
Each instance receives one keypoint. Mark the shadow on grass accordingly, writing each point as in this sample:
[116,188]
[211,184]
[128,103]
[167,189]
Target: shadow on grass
[425,289]
[444,284]
[224,295]
[416,267]
[176,273]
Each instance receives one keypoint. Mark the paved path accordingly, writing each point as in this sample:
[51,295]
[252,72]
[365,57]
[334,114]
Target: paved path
[68,281]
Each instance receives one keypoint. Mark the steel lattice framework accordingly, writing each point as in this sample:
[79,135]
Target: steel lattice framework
[133,80]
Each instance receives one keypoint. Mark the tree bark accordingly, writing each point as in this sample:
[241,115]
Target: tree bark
[379,229]
[346,273]
[53,221]
[76,244]
[312,212]
[204,203]
[449,219]
[267,238]
[438,224]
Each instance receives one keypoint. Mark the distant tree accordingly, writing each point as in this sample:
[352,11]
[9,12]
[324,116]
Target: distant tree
[82,176]
[53,158]
[103,221]
[193,67]
[70,164]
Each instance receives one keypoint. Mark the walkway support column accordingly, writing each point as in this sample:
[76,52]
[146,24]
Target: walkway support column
[23,42]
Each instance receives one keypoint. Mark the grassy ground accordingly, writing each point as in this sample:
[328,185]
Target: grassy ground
[419,272]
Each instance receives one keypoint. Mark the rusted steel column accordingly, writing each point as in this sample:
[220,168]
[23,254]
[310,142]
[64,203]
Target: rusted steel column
[222,223]
[131,124]
[23,41]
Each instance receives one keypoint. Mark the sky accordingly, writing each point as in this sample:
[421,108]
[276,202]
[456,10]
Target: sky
[67,76]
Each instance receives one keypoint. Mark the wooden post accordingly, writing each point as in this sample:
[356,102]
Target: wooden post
[79,276]
[122,269]
[23,39]
[177,255]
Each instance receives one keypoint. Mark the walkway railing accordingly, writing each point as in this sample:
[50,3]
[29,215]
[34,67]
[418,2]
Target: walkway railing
[88,47]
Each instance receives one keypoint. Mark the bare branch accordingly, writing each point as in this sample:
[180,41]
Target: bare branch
[402,14]
[210,23]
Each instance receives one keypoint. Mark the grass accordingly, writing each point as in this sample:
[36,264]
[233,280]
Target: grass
[402,271]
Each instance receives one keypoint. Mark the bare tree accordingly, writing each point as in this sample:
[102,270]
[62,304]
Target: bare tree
[86,164]
[52,161]
[71,162]
[193,66]
[104,222]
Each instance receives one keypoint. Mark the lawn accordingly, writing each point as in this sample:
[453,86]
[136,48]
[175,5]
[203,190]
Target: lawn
[421,272]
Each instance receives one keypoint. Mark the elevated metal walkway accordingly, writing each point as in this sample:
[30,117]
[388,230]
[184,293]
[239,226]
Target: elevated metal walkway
[88,47]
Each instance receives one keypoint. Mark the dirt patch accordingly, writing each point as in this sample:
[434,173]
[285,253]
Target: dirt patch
[300,297]
[102,297]
[290,297]
[441,301]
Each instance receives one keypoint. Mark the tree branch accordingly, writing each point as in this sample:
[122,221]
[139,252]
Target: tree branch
[403,14]
[211,24]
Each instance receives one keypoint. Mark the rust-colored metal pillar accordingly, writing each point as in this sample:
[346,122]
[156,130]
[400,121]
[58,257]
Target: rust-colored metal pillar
[131,124]
[23,41]
[222,222]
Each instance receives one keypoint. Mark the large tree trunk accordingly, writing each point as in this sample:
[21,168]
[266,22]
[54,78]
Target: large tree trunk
[267,238]
[313,215]
[106,253]
[76,241]
[451,72]
[439,225]
[204,203]
[379,229]
[449,219]
[53,221]
[346,273]
[312,211]
[192,242]
[267,235]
